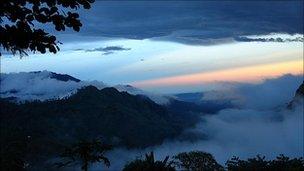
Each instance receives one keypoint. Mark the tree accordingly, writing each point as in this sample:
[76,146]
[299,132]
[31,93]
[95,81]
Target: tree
[149,164]
[281,163]
[13,154]
[85,152]
[197,161]
[256,163]
[19,20]
[285,163]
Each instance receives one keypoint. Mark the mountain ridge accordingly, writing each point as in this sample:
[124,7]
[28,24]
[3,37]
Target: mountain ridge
[104,107]
[298,97]
[47,85]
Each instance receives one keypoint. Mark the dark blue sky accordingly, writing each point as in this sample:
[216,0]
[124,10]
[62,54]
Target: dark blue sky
[191,21]
[177,46]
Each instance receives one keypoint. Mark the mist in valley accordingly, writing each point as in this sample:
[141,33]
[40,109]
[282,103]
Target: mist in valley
[261,124]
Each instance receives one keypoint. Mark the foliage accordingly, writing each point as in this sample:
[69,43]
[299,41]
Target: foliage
[86,152]
[120,118]
[197,161]
[19,20]
[13,154]
[281,163]
[149,164]
[92,112]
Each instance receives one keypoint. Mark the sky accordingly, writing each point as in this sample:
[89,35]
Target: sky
[177,46]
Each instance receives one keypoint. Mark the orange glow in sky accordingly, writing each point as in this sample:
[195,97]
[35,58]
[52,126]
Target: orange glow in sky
[254,73]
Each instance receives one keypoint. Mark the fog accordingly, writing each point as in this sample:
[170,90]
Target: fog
[41,86]
[269,94]
[243,133]
[261,125]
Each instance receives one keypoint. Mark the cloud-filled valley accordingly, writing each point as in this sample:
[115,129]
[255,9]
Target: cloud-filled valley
[233,132]
[149,85]
[261,125]
[260,122]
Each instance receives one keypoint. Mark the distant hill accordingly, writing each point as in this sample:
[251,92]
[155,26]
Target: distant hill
[298,99]
[46,85]
[92,112]
[37,85]
[63,77]
[300,91]
[120,118]
[190,97]
[194,102]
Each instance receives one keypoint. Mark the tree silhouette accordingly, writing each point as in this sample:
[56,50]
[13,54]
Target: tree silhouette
[12,156]
[281,163]
[19,20]
[197,161]
[149,164]
[285,163]
[85,152]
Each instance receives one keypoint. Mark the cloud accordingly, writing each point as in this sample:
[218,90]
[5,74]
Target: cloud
[253,129]
[248,73]
[39,85]
[269,94]
[232,132]
[42,86]
[281,40]
[192,22]
[108,50]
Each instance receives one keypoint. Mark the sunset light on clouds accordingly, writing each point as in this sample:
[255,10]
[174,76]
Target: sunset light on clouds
[190,84]
[155,65]
[251,74]
[181,45]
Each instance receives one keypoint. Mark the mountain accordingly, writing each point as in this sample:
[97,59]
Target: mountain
[38,85]
[203,107]
[106,112]
[300,91]
[46,85]
[195,102]
[190,97]
[63,77]
[298,98]
[120,118]
[157,98]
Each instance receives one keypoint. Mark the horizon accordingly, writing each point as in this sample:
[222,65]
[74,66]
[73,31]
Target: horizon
[200,51]
[151,85]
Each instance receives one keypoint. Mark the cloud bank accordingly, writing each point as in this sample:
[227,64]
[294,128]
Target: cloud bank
[279,39]
[245,132]
[261,125]
[44,86]
[108,50]
[270,94]
[192,22]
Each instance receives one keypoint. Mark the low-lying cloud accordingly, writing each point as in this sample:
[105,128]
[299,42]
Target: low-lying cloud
[42,86]
[262,125]
[108,50]
[281,40]
[269,94]
[243,133]
[105,50]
